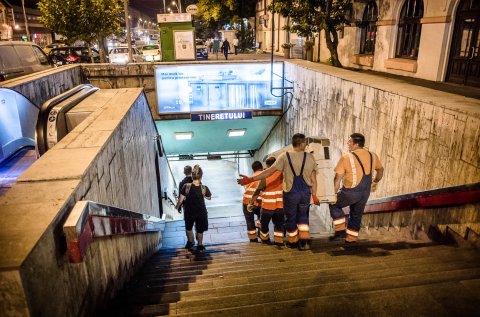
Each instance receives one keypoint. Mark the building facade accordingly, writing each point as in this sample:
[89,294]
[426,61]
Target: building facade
[437,40]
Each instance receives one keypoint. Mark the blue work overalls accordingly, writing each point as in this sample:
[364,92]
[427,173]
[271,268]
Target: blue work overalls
[356,198]
[296,205]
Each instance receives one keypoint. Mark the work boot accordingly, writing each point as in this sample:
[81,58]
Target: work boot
[304,245]
[291,245]
[338,236]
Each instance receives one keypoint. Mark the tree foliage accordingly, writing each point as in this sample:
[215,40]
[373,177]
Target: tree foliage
[85,20]
[220,12]
[309,17]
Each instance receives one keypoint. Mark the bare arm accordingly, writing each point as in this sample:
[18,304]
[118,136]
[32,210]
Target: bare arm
[313,179]
[336,182]
[268,172]
[208,198]
[180,201]
[260,187]
[379,174]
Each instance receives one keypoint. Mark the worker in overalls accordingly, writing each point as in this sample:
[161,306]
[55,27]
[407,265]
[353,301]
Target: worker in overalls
[254,209]
[272,206]
[299,172]
[354,169]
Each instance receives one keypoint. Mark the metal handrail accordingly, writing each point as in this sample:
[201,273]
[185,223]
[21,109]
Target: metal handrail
[54,109]
[441,197]
[89,220]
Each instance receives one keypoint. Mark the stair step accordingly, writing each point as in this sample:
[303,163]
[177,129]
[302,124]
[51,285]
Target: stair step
[314,261]
[320,277]
[252,270]
[307,291]
[400,301]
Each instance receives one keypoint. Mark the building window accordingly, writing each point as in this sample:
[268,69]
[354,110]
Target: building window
[409,29]
[368,28]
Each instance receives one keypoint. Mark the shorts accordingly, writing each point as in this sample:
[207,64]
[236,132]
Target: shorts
[200,220]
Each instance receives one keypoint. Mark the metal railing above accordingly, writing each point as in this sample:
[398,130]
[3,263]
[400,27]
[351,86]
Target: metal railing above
[89,220]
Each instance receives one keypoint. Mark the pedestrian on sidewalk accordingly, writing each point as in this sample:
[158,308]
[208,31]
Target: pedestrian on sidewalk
[187,170]
[235,45]
[357,164]
[194,195]
[272,206]
[216,46]
[250,209]
[299,184]
[225,48]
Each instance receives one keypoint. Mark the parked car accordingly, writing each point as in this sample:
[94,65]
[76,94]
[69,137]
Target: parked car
[19,58]
[72,54]
[119,55]
[201,49]
[151,53]
[49,47]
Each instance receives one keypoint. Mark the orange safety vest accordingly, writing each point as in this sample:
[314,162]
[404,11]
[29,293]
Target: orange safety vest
[249,190]
[272,196]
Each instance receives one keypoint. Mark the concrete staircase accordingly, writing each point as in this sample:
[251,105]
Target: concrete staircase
[370,278]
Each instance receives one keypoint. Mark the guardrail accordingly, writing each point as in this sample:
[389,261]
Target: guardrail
[89,220]
[442,197]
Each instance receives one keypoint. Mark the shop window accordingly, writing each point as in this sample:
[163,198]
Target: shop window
[368,28]
[409,29]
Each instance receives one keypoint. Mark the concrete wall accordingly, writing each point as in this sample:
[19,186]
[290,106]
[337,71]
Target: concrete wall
[425,138]
[108,158]
[42,86]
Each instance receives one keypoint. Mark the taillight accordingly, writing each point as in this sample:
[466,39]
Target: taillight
[71,58]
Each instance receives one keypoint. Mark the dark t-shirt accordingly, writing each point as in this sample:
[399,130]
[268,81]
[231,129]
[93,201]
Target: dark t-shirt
[195,202]
[186,180]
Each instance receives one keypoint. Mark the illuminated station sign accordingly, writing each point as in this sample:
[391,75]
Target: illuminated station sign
[213,116]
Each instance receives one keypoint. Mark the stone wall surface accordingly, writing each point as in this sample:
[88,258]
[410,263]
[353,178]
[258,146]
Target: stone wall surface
[42,86]
[425,138]
[108,158]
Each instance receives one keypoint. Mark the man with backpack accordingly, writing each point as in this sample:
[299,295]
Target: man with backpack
[194,195]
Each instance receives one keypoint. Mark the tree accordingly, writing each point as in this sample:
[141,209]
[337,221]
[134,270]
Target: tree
[217,13]
[86,20]
[311,16]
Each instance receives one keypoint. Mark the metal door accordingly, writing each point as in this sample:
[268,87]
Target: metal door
[464,62]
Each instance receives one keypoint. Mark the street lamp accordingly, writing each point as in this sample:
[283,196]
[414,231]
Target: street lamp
[179,5]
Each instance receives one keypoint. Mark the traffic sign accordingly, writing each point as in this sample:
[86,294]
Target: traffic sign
[193,9]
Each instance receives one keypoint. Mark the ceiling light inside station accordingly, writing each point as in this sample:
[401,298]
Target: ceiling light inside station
[236,132]
[183,135]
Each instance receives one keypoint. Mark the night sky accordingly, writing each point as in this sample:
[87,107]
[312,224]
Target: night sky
[149,7]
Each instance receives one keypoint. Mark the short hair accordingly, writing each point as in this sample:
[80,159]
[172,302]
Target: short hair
[257,166]
[187,170]
[197,172]
[358,138]
[270,161]
[298,139]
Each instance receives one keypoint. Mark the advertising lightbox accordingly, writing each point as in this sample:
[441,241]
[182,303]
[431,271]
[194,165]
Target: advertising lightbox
[216,87]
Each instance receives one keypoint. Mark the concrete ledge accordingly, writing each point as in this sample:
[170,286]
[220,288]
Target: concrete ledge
[404,64]
[362,60]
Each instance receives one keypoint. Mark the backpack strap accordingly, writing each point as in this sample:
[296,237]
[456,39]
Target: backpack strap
[187,188]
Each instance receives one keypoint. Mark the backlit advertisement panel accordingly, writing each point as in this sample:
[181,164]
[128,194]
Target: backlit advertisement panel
[214,87]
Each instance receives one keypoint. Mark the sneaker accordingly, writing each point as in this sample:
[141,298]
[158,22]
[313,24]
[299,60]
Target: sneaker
[266,242]
[254,240]
[339,235]
[200,248]
[189,245]
[291,245]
